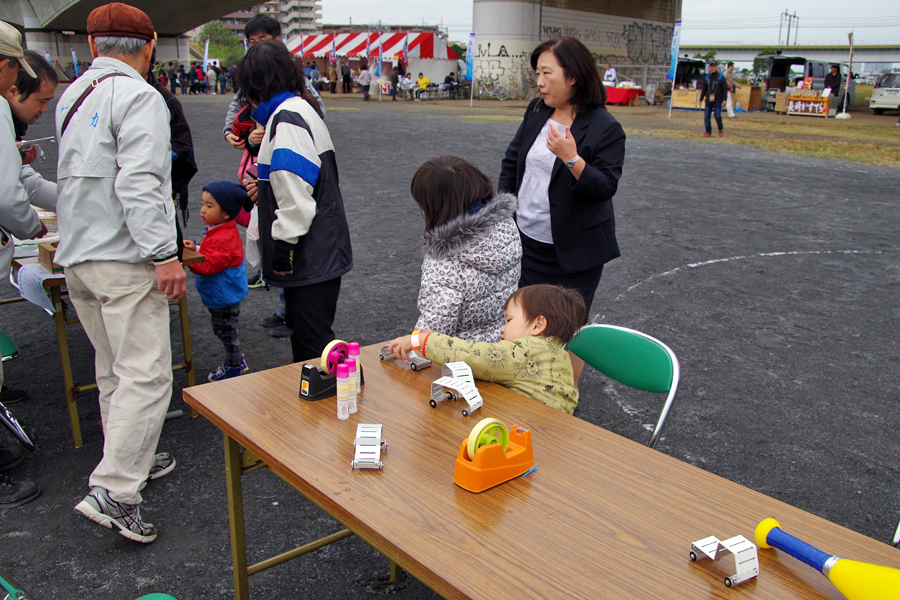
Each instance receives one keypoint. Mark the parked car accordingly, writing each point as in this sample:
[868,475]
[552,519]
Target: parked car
[787,71]
[886,93]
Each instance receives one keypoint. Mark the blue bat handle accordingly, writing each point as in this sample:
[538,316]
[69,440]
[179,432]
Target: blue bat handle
[797,548]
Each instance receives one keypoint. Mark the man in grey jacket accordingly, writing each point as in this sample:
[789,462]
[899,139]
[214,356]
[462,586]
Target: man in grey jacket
[118,245]
[16,219]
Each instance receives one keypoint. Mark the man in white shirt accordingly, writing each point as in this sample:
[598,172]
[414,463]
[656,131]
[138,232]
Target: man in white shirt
[118,245]
[610,77]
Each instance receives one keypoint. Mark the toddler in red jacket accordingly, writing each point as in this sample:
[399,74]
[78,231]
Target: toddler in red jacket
[221,279]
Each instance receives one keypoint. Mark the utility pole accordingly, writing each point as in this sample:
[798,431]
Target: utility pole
[791,20]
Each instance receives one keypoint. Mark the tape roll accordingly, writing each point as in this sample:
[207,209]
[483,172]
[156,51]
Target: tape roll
[333,354]
[486,432]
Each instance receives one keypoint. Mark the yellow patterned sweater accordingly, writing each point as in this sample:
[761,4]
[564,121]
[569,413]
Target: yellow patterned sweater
[537,367]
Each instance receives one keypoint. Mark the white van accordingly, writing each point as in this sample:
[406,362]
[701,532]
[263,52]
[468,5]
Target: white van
[886,93]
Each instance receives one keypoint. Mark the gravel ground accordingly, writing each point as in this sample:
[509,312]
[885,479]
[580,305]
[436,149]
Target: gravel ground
[773,278]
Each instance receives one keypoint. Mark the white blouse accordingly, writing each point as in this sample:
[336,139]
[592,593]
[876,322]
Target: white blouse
[533,215]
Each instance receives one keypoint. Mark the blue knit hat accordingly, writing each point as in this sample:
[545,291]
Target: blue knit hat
[231,196]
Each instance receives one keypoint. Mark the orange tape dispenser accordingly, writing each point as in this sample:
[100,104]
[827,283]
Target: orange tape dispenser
[498,455]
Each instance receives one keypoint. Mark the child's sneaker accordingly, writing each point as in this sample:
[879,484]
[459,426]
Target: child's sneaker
[244,366]
[225,372]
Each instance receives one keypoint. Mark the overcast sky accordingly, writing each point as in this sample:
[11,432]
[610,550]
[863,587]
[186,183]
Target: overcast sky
[705,21]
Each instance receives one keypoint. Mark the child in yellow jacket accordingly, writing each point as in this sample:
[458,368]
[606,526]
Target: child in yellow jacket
[539,320]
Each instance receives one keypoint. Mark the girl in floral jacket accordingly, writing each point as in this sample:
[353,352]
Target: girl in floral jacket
[472,250]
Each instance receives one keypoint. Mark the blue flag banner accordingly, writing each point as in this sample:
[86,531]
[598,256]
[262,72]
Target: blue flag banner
[205,56]
[470,57]
[75,62]
[675,42]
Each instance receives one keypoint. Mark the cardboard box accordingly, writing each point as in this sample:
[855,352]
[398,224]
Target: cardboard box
[46,254]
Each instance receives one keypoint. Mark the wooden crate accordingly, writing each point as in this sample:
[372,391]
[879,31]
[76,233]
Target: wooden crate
[686,99]
[749,97]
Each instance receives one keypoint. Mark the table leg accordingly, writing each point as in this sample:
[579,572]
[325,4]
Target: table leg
[396,571]
[236,518]
[186,342]
[60,320]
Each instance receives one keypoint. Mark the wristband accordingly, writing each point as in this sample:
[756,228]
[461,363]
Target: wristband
[425,343]
[415,340]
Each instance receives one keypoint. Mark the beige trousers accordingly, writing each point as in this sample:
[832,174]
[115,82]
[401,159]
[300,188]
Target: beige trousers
[729,106]
[127,321]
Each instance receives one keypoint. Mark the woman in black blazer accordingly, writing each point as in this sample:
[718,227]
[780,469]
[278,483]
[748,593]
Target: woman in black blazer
[564,165]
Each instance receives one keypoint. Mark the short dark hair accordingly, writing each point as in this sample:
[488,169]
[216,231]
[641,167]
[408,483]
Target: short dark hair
[577,63]
[562,308]
[27,85]
[445,187]
[262,24]
[268,68]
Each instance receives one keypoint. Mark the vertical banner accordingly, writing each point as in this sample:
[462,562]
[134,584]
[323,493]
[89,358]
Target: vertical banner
[380,49]
[333,53]
[405,50]
[302,50]
[675,41]
[47,56]
[75,62]
[470,57]
[205,57]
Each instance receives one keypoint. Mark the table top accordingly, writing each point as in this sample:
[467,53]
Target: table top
[602,517]
[189,257]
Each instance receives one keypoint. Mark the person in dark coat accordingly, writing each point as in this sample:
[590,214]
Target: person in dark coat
[715,90]
[564,165]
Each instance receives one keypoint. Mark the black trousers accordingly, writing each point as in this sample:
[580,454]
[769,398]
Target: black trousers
[345,88]
[309,313]
[540,265]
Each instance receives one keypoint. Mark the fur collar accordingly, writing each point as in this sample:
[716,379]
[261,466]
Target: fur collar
[464,230]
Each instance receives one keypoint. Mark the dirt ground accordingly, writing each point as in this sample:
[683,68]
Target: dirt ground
[773,277]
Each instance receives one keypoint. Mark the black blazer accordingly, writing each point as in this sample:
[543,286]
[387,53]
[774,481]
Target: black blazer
[581,210]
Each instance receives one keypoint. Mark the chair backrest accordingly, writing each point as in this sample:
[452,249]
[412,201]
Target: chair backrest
[632,358]
[8,348]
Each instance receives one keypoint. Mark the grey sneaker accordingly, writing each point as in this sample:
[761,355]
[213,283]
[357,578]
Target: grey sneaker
[163,465]
[103,510]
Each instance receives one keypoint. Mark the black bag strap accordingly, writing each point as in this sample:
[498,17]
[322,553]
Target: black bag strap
[81,98]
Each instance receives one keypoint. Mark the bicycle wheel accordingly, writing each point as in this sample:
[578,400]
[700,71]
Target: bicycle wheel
[502,92]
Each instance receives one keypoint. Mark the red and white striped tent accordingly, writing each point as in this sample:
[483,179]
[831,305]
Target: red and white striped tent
[352,45]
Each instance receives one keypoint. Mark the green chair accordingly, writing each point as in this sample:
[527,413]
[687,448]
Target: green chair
[157,597]
[12,589]
[632,358]
[8,348]
[896,542]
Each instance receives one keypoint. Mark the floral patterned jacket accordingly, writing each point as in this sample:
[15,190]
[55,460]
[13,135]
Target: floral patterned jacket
[472,265]
[537,367]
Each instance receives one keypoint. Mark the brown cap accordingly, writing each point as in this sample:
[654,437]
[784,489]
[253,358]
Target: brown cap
[119,20]
[11,46]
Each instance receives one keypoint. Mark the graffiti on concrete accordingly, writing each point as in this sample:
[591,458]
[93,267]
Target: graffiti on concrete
[494,64]
[641,43]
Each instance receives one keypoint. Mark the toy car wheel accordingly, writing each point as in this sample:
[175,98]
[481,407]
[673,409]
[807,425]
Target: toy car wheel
[465,413]
[728,582]
[413,367]
[693,556]
[432,403]
[381,357]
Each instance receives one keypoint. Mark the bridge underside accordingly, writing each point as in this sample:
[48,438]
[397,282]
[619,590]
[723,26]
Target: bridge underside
[170,17]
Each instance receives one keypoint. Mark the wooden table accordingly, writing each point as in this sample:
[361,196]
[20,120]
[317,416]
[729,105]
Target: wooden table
[61,318]
[602,517]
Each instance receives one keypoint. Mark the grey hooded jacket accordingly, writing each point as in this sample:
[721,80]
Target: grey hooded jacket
[472,265]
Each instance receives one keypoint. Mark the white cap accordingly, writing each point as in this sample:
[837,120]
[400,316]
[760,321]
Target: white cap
[11,45]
